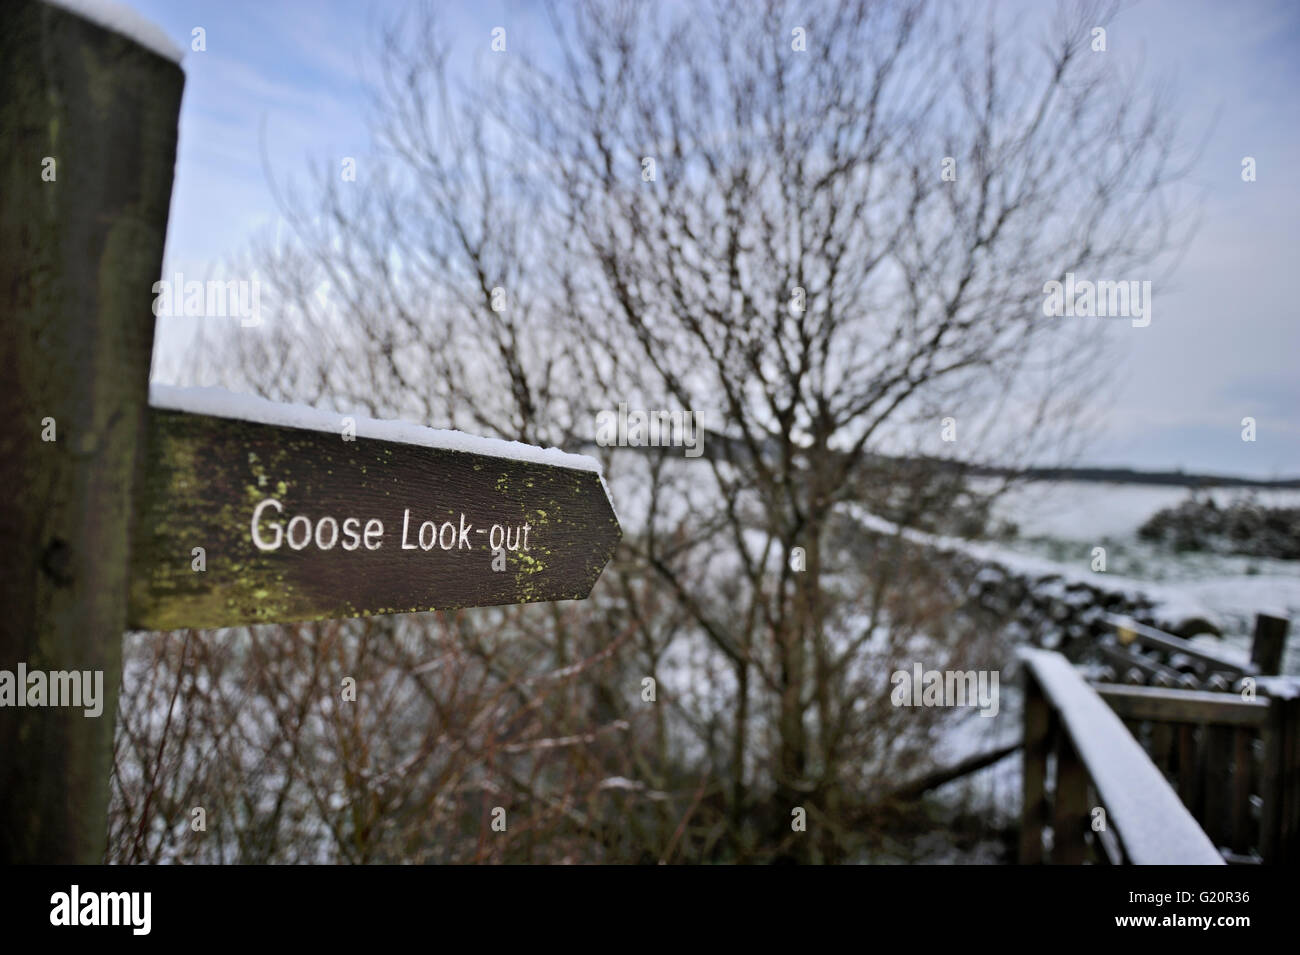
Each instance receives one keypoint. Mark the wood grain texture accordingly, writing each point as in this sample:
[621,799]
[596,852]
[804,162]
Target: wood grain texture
[81,250]
[205,476]
[1169,705]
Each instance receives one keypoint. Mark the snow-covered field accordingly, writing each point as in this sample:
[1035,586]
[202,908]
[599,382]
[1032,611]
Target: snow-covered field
[1062,522]
[1086,510]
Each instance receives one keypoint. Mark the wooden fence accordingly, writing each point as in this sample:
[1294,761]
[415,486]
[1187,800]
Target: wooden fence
[1106,801]
[1224,733]
[1172,749]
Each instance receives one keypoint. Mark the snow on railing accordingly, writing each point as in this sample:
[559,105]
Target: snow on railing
[1142,819]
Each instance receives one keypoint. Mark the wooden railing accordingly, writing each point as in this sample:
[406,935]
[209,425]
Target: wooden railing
[1230,747]
[1107,801]
[1166,660]
[1226,758]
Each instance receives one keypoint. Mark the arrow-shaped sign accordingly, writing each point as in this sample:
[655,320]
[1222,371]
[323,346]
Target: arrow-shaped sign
[252,512]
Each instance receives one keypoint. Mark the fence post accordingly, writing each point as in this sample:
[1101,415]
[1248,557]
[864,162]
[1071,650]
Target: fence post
[1216,750]
[1034,801]
[1069,804]
[1273,781]
[1269,643]
[1243,765]
[90,119]
[1289,781]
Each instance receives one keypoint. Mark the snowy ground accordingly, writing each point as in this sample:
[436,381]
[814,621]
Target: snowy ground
[1084,510]
[1062,522]
[1058,526]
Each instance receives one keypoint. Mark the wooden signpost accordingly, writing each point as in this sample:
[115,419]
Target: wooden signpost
[200,510]
[307,523]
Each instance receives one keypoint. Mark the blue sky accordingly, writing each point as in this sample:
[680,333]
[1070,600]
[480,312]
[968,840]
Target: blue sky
[286,81]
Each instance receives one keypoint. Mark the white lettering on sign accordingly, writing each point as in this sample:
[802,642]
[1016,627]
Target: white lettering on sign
[270,532]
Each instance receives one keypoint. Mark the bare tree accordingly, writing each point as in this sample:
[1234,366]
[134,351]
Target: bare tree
[386,740]
[823,229]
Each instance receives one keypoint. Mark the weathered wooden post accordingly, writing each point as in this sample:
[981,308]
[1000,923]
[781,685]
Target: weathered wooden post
[1038,739]
[1279,823]
[203,509]
[89,118]
[1216,750]
[1069,804]
[1269,643]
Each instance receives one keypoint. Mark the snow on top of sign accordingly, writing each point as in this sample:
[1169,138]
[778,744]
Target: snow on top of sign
[226,404]
[121,19]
